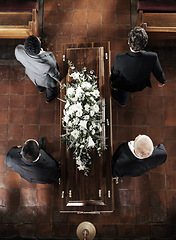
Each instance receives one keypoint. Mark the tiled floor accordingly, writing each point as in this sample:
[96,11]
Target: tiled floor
[145,207]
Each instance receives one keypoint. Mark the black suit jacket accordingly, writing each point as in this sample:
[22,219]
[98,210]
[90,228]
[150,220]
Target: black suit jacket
[45,170]
[131,71]
[126,164]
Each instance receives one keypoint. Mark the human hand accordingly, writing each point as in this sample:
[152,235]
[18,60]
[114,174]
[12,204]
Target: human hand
[161,84]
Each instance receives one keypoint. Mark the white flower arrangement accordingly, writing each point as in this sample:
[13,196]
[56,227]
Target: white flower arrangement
[82,117]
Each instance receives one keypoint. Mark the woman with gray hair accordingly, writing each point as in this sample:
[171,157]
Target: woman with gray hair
[136,157]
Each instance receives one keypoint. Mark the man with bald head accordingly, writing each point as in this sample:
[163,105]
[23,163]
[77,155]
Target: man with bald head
[136,157]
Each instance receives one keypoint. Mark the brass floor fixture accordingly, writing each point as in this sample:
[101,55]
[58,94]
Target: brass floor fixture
[86,231]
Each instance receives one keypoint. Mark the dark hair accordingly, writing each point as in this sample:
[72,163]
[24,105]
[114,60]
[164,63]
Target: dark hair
[138,38]
[32,45]
[30,151]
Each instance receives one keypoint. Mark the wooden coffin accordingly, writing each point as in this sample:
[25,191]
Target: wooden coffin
[93,193]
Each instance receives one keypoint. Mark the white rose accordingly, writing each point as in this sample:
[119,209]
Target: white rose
[79,113]
[86,85]
[75,133]
[70,91]
[95,108]
[90,142]
[75,75]
[83,124]
[96,93]
[92,113]
[79,92]
[87,107]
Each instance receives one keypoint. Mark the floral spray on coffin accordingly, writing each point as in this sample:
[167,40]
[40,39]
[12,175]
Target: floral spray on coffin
[82,117]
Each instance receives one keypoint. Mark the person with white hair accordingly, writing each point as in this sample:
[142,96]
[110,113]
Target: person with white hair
[136,157]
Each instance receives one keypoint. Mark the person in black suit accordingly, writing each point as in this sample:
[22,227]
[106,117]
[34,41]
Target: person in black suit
[32,163]
[131,71]
[136,157]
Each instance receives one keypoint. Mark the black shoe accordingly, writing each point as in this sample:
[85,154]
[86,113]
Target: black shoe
[41,89]
[42,143]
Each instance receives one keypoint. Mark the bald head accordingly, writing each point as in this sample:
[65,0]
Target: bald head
[143,146]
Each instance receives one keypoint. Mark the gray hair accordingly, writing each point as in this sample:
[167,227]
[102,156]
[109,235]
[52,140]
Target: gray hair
[143,146]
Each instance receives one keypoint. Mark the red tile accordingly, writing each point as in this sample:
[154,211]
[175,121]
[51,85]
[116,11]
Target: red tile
[28,197]
[31,116]
[126,183]
[17,73]
[17,101]
[64,30]
[17,86]
[139,130]
[94,32]
[44,230]
[155,103]
[109,32]
[158,197]
[11,197]
[143,215]
[171,165]
[157,181]
[64,5]
[29,87]
[122,31]
[47,131]
[109,5]
[79,5]
[123,5]
[159,215]
[94,5]
[122,45]
[47,116]
[3,116]
[4,73]
[141,182]
[94,17]
[3,146]
[44,197]
[171,178]
[51,16]
[4,101]
[126,197]
[2,164]
[170,117]
[126,215]
[169,103]
[139,102]
[12,180]
[126,231]
[79,17]
[156,118]
[170,148]
[15,132]
[44,214]
[16,116]
[156,134]
[27,215]
[140,117]
[170,88]
[80,31]
[109,17]
[27,230]
[31,131]
[142,231]
[142,198]
[123,17]
[26,184]
[3,131]
[124,117]
[4,87]
[48,5]
[11,216]
[123,133]
[32,102]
